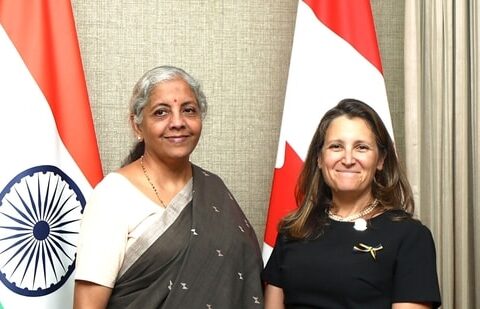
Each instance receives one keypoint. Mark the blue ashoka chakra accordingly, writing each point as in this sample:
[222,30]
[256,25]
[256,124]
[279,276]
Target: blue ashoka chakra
[40,212]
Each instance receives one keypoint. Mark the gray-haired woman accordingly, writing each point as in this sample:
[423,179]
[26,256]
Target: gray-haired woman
[161,232]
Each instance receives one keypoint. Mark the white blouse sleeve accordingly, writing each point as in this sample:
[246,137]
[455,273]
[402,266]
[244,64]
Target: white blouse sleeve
[103,235]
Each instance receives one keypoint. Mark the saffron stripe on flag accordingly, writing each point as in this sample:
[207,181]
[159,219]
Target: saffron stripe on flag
[334,56]
[44,34]
[44,184]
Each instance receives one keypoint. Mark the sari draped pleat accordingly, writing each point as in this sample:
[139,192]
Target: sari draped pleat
[208,258]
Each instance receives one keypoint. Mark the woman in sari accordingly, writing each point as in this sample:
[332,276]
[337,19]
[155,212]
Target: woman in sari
[161,232]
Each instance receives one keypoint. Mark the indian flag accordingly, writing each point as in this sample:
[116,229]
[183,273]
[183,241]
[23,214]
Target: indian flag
[49,156]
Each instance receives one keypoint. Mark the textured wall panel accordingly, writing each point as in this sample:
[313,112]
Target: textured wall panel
[239,50]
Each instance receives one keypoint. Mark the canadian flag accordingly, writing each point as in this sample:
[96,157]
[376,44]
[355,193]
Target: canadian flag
[334,56]
[49,156]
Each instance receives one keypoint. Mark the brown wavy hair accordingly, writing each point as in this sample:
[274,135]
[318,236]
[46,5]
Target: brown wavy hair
[313,195]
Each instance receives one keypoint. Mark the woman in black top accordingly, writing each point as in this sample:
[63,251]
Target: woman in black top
[352,242]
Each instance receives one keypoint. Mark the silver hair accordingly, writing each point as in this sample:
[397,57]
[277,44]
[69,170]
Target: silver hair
[144,86]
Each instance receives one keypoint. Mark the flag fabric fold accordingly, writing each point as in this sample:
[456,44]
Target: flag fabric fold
[50,159]
[334,56]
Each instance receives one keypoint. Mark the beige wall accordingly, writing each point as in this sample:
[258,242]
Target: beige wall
[239,50]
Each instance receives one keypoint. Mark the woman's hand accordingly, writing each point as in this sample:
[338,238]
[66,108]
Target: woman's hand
[273,297]
[90,295]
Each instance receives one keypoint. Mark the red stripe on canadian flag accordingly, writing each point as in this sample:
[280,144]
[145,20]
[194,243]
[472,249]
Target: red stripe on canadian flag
[50,159]
[334,56]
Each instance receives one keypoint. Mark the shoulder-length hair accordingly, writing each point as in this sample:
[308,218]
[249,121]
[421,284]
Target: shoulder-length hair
[314,197]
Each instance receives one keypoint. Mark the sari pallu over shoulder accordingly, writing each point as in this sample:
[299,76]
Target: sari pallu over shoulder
[208,258]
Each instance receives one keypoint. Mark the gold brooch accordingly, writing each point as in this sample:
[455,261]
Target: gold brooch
[368,249]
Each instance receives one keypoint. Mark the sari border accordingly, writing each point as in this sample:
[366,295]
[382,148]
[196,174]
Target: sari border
[161,222]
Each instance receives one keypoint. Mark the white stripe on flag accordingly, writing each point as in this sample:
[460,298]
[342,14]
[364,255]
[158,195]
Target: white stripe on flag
[30,138]
[324,69]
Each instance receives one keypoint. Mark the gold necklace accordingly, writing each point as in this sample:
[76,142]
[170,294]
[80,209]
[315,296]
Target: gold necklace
[355,216]
[151,183]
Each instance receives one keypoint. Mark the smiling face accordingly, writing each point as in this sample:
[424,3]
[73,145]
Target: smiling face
[172,123]
[349,157]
